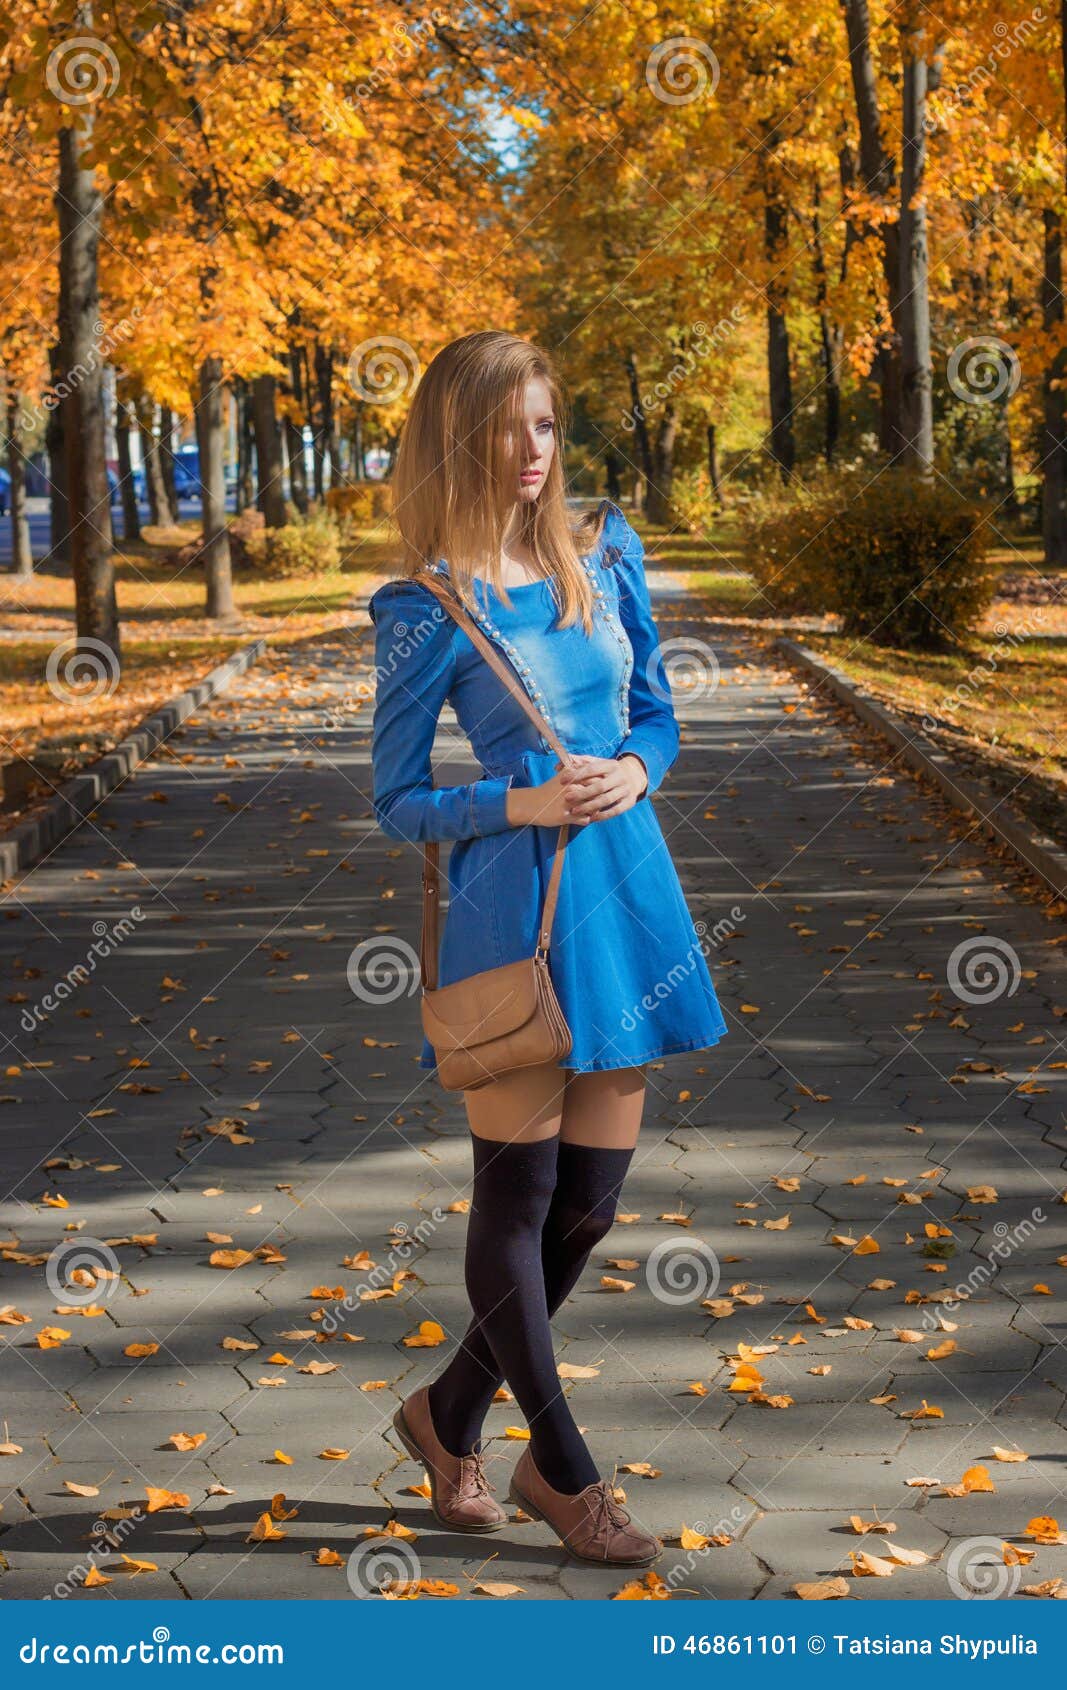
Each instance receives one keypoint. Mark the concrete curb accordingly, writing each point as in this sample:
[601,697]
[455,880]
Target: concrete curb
[27,843]
[1037,851]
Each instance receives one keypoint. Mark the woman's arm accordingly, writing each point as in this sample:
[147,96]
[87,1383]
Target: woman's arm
[653,735]
[414,669]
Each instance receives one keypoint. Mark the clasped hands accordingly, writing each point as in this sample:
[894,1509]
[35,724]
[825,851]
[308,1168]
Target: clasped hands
[588,789]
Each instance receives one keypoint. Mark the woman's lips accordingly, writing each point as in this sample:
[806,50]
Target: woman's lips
[529,476]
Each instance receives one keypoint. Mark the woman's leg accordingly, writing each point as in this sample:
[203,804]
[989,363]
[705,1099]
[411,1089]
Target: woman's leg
[599,1122]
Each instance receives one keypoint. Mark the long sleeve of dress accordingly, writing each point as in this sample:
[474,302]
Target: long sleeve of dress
[653,732]
[414,669]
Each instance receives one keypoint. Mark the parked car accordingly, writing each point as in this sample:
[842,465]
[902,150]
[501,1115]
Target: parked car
[5,491]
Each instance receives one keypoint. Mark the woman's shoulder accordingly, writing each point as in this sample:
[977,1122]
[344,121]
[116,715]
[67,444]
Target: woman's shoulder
[617,541]
[402,593]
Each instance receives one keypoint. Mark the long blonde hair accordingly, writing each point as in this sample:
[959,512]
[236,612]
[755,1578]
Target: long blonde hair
[457,471]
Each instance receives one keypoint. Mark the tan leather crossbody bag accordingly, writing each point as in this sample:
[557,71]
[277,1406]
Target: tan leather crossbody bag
[503,1018]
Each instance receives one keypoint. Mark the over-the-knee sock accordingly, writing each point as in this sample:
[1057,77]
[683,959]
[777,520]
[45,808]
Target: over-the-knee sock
[512,1194]
[586,1195]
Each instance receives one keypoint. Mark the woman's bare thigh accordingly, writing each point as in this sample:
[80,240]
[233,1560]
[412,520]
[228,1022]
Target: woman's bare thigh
[604,1109]
[519,1108]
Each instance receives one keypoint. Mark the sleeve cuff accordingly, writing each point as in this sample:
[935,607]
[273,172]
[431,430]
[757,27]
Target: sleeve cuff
[654,765]
[489,805]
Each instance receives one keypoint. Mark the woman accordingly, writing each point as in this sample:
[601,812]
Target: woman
[479,497]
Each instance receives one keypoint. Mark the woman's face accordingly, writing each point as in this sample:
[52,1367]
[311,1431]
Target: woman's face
[538,444]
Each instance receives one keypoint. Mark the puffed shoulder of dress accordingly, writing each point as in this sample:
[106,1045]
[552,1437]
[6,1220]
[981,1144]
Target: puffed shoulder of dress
[401,593]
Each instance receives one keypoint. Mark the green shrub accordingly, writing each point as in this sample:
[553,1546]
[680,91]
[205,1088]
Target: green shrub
[310,545]
[902,560]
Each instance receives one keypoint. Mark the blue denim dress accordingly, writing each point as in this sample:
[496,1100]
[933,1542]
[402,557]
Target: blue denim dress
[626,960]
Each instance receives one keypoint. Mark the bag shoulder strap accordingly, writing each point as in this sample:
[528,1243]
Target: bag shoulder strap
[431,878]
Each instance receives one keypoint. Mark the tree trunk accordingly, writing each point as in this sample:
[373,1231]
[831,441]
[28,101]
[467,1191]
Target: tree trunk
[713,466]
[218,576]
[84,430]
[359,462]
[58,503]
[166,457]
[643,468]
[879,177]
[611,471]
[270,494]
[830,334]
[131,516]
[658,507]
[244,493]
[318,456]
[324,382]
[294,433]
[159,511]
[1054,431]
[780,441]
[916,368]
[21,550]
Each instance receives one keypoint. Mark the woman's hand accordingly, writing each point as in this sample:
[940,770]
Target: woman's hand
[587,790]
[597,788]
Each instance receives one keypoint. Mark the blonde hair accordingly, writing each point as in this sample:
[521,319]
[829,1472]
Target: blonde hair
[456,475]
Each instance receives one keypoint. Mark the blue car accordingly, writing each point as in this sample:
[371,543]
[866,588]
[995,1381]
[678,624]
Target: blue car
[5,491]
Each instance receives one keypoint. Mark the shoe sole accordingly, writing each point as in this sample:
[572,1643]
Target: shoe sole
[400,1428]
[515,1495]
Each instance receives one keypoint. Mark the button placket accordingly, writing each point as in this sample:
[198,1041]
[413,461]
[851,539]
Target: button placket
[621,636]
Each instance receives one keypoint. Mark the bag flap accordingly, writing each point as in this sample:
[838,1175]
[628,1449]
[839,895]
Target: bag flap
[481,1007]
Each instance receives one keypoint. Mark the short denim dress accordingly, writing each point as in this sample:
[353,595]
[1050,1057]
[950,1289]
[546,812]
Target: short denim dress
[626,960]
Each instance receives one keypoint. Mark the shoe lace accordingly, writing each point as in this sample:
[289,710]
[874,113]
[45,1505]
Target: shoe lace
[606,1510]
[474,1473]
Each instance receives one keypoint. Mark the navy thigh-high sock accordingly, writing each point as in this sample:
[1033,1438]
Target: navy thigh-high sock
[582,1209]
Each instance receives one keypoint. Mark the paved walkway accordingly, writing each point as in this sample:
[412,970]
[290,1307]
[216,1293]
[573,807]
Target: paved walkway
[215,1085]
